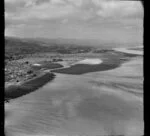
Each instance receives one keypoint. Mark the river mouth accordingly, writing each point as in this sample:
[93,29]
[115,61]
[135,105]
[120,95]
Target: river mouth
[91,104]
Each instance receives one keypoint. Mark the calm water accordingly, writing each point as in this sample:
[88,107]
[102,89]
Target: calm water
[73,105]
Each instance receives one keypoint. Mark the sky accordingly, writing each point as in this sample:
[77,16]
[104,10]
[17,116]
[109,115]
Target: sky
[102,20]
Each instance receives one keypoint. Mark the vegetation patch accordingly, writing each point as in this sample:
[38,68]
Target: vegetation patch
[14,91]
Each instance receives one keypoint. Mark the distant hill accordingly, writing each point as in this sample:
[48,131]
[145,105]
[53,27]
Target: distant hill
[19,47]
[15,47]
[80,42]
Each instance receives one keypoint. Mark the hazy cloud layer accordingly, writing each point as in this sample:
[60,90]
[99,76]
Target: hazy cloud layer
[98,15]
[48,9]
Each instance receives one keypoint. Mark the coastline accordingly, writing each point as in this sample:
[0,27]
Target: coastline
[15,91]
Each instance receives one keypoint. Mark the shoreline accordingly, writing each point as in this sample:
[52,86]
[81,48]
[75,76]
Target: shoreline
[15,91]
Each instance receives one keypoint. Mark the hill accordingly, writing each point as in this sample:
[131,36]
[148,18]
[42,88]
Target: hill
[17,47]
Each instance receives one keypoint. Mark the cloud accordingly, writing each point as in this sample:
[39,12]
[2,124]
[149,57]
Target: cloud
[49,9]
[17,26]
[77,3]
[45,10]
[58,2]
[64,21]
[118,8]
[85,18]
[11,1]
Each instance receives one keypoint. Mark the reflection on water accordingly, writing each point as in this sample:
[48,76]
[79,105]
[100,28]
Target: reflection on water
[73,105]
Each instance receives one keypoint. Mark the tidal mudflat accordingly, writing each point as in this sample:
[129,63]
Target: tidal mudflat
[92,104]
